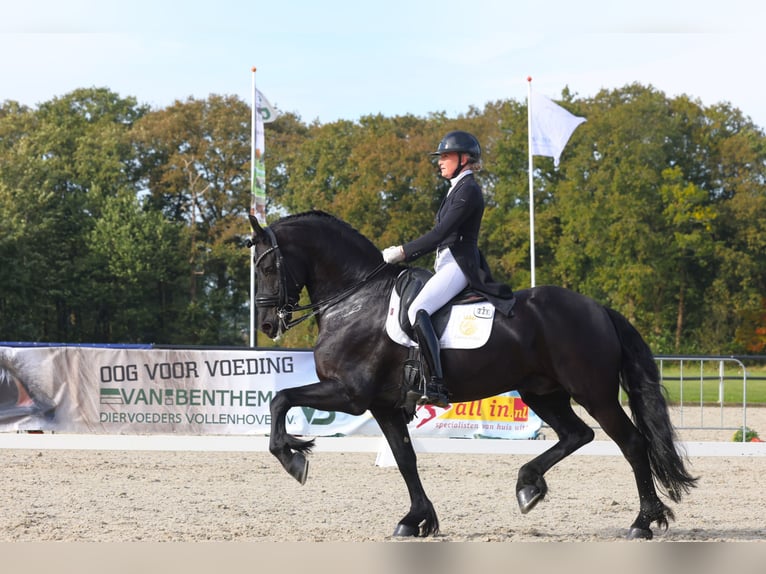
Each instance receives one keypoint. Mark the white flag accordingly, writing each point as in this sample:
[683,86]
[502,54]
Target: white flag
[551,127]
[267,111]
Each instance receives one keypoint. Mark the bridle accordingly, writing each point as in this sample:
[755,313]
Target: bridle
[281,300]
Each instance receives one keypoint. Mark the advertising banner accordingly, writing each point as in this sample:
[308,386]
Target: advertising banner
[191,391]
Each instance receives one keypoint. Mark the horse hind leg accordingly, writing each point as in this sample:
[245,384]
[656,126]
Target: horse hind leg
[632,444]
[556,410]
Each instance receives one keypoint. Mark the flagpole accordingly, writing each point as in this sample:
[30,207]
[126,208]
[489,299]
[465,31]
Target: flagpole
[253,332]
[531,182]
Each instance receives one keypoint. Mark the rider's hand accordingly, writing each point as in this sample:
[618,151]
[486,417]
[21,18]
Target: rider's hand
[393,254]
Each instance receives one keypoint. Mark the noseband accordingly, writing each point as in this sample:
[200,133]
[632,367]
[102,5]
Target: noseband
[281,299]
[278,299]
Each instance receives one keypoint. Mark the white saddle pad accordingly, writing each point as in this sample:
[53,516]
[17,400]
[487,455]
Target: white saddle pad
[469,325]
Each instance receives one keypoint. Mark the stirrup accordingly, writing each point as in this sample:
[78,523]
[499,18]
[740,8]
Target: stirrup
[435,394]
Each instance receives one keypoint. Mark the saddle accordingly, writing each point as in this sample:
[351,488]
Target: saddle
[464,322]
[408,285]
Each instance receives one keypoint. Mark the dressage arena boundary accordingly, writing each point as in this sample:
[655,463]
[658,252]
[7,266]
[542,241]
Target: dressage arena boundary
[241,443]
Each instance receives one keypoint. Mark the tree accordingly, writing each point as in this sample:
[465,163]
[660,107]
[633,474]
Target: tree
[137,261]
[196,156]
[63,160]
[121,223]
[642,206]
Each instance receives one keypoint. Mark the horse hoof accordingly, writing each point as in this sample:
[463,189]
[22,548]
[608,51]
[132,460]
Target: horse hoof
[406,530]
[639,534]
[299,467]
[528,498]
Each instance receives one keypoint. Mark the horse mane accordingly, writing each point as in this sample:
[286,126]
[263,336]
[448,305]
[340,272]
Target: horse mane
[345,232]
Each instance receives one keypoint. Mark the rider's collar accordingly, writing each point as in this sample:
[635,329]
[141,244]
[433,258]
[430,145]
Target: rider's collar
[454,180]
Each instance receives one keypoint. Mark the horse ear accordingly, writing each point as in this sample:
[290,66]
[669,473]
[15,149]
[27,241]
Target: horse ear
[257,229]
[258,232]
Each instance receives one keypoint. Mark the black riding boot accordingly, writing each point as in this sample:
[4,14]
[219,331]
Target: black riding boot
[436,393]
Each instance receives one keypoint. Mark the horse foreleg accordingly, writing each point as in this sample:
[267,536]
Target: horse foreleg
[326,395]
[421,520]
[556,411]
[289,450]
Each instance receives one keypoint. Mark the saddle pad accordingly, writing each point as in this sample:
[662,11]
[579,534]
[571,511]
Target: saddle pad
[469,325]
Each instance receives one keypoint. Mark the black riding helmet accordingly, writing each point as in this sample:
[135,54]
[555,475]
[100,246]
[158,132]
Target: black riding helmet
[462,143]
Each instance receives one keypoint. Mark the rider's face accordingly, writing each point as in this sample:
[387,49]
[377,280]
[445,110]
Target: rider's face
[448,163]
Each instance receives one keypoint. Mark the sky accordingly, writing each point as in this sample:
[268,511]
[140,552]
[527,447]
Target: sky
[327,60]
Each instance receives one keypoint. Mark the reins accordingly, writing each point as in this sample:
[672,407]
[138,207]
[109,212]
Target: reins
[281,301]
[316,308]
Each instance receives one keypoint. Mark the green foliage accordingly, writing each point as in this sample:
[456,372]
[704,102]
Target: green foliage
[750,434]
[137,265]
[59,162]
[122,223]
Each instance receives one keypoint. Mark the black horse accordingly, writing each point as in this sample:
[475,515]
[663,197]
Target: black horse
[557,347]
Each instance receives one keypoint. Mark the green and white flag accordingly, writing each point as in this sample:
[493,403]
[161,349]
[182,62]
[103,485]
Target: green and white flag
[268,112]
[258,171]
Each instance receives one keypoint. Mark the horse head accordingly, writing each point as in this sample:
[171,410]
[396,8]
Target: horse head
[313,250]
[278,289]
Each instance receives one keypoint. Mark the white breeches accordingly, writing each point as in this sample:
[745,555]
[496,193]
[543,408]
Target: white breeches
[447,281]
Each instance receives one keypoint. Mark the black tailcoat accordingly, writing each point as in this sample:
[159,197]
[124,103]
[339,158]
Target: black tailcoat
[457,228]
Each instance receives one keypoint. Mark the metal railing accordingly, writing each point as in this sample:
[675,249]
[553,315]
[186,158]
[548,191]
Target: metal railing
[695,410]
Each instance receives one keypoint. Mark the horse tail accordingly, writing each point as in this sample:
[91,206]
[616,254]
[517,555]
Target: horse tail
[640,378]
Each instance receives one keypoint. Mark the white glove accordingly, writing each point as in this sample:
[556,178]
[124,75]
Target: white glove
[393,254]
